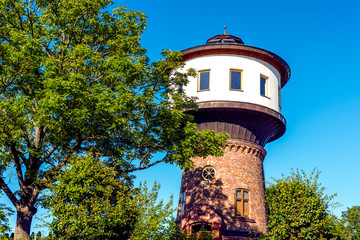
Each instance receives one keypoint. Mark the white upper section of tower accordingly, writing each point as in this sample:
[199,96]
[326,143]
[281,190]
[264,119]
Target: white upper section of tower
[229,70]
[229,77]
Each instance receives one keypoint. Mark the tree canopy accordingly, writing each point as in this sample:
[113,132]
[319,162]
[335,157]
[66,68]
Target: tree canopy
[5,213]
[299,208]
[88,201]
[350,220]
[74,79]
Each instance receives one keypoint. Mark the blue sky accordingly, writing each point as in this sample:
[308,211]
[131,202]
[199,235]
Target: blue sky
[321,102]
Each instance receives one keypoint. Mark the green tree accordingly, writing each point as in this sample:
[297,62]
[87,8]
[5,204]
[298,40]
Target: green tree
[50,236]
[88,200]
[38,236]
[339,229]
[5,212]
[299,208]
[155,219]
[350,220]
[75,79]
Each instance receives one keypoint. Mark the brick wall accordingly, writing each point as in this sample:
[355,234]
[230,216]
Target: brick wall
[213,201]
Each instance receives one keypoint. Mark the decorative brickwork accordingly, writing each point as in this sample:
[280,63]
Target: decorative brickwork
[213,201]
[247,148]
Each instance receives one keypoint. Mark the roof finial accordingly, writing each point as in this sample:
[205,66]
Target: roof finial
[225,31]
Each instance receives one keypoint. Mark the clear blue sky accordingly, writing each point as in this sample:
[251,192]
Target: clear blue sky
[320,40]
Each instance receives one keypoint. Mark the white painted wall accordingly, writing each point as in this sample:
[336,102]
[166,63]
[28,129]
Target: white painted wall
[220,66]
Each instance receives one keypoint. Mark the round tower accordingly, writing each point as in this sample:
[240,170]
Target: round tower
[239,91]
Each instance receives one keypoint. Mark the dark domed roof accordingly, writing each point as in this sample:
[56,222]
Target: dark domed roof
[224,39]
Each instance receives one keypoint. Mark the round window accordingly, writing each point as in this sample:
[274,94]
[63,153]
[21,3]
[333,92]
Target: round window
[208,173]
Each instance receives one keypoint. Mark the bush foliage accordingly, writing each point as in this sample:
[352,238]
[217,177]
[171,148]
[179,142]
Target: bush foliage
[299,208]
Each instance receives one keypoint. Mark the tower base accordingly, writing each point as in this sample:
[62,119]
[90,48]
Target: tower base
[226,195]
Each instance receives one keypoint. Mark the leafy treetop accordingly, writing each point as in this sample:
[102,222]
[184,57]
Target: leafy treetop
[299,208]
[350,223]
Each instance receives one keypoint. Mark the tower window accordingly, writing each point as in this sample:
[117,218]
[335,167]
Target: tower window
[204,80]
[200,227]
[242,203]
[235,79]
[279,96]
[182,204]
[264,85]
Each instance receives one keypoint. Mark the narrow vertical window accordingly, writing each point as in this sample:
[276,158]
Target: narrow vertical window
[182,204]
[242,203]
[204,80]
[279,96]
[235,79]
[263,85]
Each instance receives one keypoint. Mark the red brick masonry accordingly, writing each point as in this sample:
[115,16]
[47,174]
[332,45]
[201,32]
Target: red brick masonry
[213,202]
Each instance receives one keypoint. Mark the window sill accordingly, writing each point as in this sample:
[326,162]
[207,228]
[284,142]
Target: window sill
[204,90]
[237,90]
[243,219]
[265,96]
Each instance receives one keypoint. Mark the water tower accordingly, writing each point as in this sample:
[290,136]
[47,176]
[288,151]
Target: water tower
[239,91]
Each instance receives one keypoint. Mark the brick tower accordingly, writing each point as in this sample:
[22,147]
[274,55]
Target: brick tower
[238,89]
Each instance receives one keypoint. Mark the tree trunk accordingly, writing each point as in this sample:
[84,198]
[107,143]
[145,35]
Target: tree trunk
[24,216]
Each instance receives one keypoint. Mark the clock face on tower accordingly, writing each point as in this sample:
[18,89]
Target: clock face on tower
[208,173]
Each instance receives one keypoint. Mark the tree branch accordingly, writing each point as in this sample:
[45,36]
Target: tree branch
[8,192]
[39,133]
[70,152]
[50,174]
[29,17]
[19,16]
[48,155]
[27,139]
[19,173]
[144,167]
[11,23]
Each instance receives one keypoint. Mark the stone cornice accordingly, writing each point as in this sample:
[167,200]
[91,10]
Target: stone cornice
[246,148]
